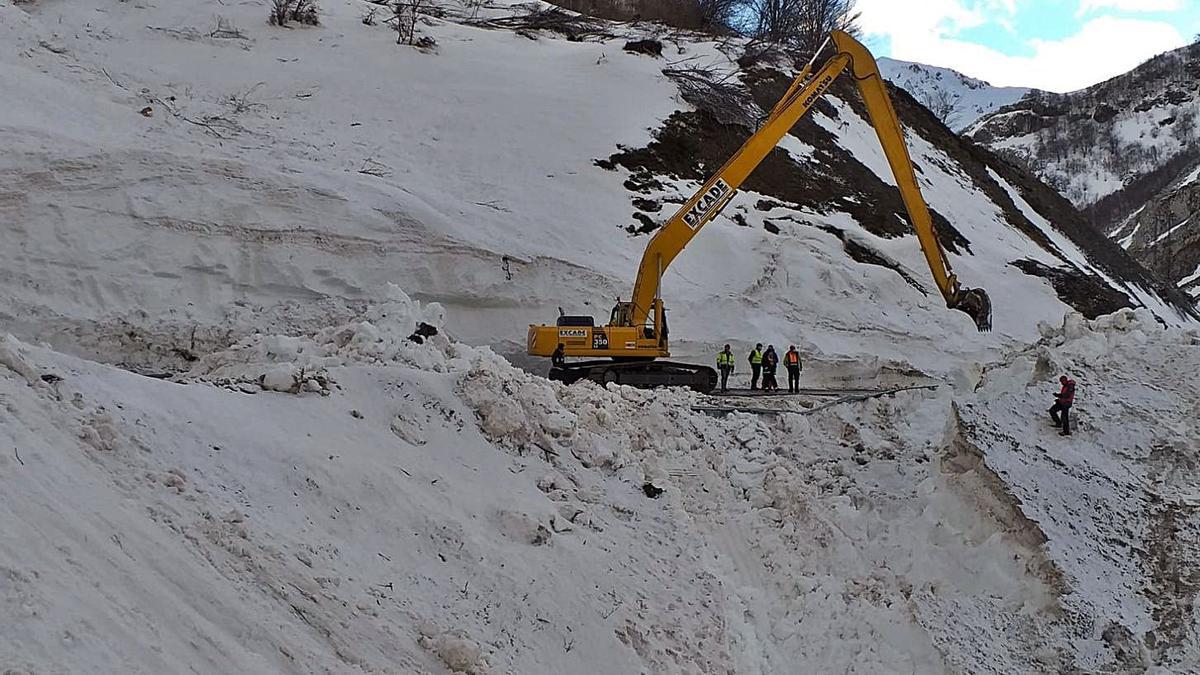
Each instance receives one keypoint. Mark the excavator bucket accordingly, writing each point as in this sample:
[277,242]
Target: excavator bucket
[976,303]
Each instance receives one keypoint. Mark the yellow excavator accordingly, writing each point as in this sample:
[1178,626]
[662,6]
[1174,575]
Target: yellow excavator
[628,349]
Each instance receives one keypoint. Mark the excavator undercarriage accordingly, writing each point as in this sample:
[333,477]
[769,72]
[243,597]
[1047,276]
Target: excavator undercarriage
[643,373]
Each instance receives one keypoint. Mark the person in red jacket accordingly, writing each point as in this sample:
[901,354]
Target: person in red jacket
[1062,404]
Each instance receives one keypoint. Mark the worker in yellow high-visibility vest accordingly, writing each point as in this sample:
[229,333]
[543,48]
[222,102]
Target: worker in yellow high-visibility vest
[725,365]
[756,356]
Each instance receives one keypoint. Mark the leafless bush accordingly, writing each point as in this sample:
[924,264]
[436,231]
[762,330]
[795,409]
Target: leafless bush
[244,101]
[370,167]
[721,97]
[472,7]
[574,26]
[368,17]
[941,104]
[225,29]
[306,12]
[718,16]
[802,25]
[405,14]
[185,33]
[762,52]
[300,11]
[280,10]
[686,14]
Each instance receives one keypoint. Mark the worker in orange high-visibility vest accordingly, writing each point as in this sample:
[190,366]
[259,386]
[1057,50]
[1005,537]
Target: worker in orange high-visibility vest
[792,360]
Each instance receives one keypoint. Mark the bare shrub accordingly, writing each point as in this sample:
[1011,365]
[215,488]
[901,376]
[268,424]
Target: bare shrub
[306,12]
[472,7]
[941,104]
[720,96]
[802,25]
[574,26]
[757,52]
[678,13]
[718,16]
[368,16]
[280,9]
[244,101]
[301,11]
[225,29]
[405,14]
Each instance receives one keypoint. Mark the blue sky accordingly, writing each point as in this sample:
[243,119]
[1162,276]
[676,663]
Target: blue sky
[1058,45]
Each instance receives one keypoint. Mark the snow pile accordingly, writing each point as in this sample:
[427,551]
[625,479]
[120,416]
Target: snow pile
[396,331]
[441,511]
[1116,503]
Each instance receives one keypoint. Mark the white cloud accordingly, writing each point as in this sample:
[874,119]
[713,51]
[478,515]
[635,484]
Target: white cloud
[1103,47]
[1088,6]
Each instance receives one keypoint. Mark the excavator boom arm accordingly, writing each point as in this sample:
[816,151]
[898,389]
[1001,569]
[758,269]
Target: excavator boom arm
[800,97]
[891,138]
[670,239]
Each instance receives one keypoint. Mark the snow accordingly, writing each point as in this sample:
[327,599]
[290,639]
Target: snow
[971,99]
[434,505]
[306,486]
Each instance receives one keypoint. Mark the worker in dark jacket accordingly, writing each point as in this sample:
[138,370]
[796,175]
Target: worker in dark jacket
[792,360]
[559,358]
[756,358]
[1062,404]
[770,363]
[725,365]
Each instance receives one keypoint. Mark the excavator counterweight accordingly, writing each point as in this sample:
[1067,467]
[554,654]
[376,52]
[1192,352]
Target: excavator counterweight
[636,335]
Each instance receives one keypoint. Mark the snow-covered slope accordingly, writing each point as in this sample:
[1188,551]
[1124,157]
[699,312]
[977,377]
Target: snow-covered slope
[959,101]
[192,194]
[1125,150]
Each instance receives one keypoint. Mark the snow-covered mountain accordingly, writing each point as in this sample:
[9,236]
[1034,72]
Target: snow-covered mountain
[959,101]
[1124,150]
[232,450]
[1164,234]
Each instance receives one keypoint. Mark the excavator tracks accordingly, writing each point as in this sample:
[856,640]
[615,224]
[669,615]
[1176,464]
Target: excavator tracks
[642,374]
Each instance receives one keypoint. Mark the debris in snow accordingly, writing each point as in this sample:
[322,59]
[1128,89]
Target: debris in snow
[462,655]
[11,358]
[648,47]
[423,331]
[651,490]
[396,331]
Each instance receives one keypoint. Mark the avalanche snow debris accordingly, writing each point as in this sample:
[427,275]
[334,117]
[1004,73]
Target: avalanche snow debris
[479,518]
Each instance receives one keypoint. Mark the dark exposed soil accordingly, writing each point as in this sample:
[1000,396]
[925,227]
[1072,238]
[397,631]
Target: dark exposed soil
[692,145]
[869,256]
[647,47]
[1089,294]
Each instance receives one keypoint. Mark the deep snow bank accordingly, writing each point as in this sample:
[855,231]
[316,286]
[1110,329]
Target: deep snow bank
[428,507]
[1116,503]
